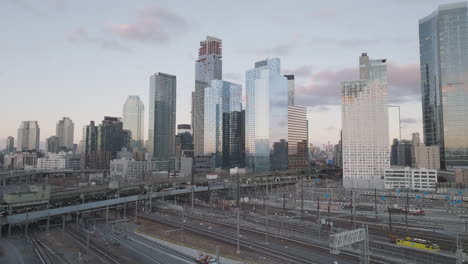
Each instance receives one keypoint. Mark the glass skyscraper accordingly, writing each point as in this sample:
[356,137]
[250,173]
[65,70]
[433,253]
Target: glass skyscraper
[133,116]
[365,131]
[162,116]
[443,43]
[222,100]
[208,67]
[266,121]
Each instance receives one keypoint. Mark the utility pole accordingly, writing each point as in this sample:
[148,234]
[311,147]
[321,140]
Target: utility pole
[390,221]
[182,223]
[238,230]
[375,202]
[352,207]
[136,211]
[302,200]
[318,209]
[238,214]
[407,211]
[266,221]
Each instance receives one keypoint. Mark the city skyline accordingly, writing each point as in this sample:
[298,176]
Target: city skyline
[317,74]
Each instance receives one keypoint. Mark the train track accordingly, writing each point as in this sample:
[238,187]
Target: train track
[44,252]
[274,254]
[96,249]
[149,245]
[152,244]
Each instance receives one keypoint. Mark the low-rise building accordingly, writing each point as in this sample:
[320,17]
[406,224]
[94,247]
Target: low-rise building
[125,169]
[61,161]
[410,178]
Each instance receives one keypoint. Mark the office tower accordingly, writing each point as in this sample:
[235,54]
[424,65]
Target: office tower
[53,144]
[89,152]
[65,130]
[338,155]
[133,116]
[401,153]
[184,141]
[291,89]
[162,116]
[222,99]
[28,136]
[394,124]
[208,67]
[365,126]
[423,156]
[443,42]
[266,117]
[10,145]
[298,137]
[234,139]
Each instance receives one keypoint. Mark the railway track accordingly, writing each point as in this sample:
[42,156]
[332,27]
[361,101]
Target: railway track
[44,252]
[151,244]
[377,246]
[274,254]
[148,247]
[95,248]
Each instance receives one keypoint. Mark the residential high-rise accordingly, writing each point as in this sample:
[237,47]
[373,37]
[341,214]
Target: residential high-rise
[298,137]
[28,136]
[133,119]
[291,89]
[10,145]
[53,144]
[221,124]
[266,117]
[208,67]
[443,42]
[365,126]
[162,116]
[65,130]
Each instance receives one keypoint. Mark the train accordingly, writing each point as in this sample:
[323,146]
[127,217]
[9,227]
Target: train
[417,243]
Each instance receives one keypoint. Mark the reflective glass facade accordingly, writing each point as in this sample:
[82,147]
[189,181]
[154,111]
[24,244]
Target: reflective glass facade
[162,116]
[221,100]
[443,42]
[298,136]
[208,67]
[266,121]
[133,114]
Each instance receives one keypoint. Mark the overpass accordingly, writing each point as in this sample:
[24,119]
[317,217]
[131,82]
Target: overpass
[47,213]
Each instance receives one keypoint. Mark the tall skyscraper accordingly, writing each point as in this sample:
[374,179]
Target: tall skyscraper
[443,42]
[222,99]
[133,119]
[162,116]
[365,126]
[208,67]
[89,152]
[266,117]
[10,145]
[28,136]
[298,137]
[65,130]
[291,89]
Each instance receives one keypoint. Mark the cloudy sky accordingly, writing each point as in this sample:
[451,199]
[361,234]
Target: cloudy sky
[81,59]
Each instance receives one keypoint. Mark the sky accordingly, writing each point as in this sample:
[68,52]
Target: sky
[82,59]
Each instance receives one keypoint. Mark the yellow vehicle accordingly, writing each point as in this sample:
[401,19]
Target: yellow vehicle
[417,243]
